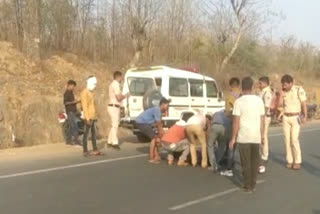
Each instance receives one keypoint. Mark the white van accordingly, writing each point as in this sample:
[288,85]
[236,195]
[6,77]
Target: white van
[187,91]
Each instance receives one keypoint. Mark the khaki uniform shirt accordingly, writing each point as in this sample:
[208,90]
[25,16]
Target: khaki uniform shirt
[230,99]
[266,95]
[114,89]
[292,99]
[88,105]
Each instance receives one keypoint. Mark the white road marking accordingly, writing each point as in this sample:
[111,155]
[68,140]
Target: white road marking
[70,166]
[207,198]
[302,131]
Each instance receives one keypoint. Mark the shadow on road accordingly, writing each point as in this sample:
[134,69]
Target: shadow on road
[315,156]
[277,158]
[306,165]
[311,169]
[316,211]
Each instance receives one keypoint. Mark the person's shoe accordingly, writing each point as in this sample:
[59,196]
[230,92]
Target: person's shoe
[204,166]
[262,169]
[289,165]
[86,154]
[182,163]
[296,166]
[246,190]
[214,169]
[170,162]
[116,147]
[227,173]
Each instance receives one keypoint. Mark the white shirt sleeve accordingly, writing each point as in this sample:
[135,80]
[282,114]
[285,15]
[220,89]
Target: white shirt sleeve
[267,99]
[116,88]
[262,108]
[236,109]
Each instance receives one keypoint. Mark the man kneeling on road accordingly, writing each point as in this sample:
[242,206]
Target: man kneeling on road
[147,121]
[174,140]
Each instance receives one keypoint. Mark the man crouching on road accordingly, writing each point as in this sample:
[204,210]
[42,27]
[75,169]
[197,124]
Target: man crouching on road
[90,117]
[248,129]
[195,129]
[147,121]
[174,140]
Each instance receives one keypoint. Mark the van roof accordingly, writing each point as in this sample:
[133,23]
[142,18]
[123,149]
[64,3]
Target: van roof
[160,71]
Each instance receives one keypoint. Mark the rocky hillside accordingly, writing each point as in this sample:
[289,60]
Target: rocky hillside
[31,95]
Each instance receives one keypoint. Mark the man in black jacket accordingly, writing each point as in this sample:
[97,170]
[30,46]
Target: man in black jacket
[71,110]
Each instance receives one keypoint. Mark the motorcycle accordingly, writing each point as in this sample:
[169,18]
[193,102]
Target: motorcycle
[65,125]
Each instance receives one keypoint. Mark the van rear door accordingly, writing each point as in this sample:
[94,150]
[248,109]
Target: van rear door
[138,86]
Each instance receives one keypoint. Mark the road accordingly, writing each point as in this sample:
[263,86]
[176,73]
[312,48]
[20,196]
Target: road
[123,182]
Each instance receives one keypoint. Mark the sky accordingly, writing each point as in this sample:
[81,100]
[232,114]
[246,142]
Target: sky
[301,19]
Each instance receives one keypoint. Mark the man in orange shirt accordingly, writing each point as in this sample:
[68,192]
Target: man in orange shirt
[174,140]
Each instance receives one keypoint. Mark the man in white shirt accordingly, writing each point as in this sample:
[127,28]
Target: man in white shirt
[266,94]
[115,98]
[195,130]
[248,129]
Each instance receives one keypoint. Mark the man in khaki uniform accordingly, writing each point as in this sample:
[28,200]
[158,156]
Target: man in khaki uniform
[195,130]
[115,98]
[90,117]
[266,94]
[294,102]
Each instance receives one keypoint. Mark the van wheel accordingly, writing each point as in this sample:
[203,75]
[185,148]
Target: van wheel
[142,138]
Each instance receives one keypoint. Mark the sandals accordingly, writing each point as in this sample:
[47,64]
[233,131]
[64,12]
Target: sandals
[296,166]
[289,165]
[182,163]
[154,161]
[95,153]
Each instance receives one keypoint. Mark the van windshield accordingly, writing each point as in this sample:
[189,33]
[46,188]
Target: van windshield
[139,86]
[212,90]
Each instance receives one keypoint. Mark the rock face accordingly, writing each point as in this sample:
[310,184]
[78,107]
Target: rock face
[31,96]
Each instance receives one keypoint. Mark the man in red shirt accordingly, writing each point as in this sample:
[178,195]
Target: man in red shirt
[174,140]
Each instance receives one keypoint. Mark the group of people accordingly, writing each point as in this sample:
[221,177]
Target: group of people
[89,113]
[244,123]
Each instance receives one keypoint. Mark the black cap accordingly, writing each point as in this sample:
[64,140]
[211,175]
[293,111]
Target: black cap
[164,101]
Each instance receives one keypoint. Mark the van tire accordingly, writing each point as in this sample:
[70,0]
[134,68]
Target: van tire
[142,138]
[151,98]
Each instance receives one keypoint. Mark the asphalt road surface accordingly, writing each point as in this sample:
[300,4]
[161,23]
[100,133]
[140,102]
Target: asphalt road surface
[124,182]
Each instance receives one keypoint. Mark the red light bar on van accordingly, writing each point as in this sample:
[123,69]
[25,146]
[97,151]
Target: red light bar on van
[192,69]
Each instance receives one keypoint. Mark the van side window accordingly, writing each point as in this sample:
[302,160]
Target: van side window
[158,82]
[139,86]
[178,87]
[212,90]
[196,88]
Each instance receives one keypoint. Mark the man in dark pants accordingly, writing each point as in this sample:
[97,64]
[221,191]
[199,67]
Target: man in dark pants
[71,110]
[248,129]
[90,117]
[220,132]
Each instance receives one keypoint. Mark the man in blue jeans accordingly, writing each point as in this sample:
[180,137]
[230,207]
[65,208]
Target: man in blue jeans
[71,110]
[220,132]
